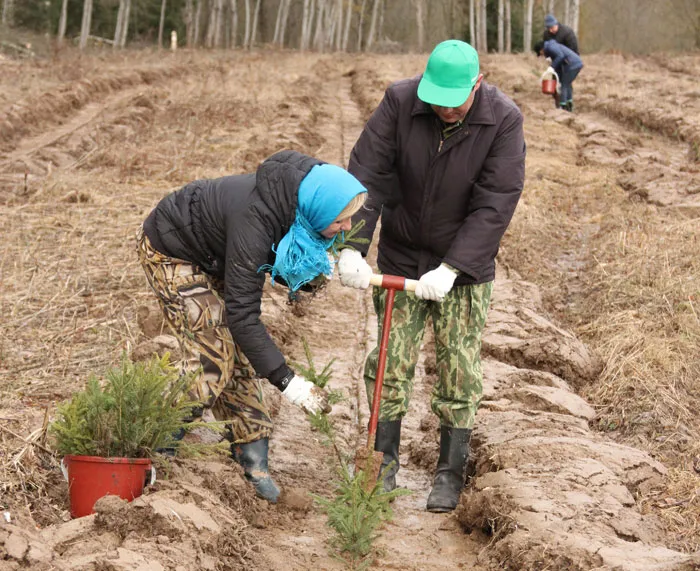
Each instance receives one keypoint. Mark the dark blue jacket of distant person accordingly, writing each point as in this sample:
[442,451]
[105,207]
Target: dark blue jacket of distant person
[563,59]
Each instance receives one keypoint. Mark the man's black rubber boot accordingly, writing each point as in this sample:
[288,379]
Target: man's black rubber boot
[253,457]
[451,469]
[388,440]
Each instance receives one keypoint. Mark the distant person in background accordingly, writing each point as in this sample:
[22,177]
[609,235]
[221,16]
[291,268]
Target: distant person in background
[567,64]
[553,30]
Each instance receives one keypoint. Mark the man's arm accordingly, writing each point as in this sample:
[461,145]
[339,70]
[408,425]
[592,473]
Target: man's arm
[494,197]
[372,163]
[571,40]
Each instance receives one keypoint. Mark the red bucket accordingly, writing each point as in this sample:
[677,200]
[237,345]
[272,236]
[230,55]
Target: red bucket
[92,477]
[549,86]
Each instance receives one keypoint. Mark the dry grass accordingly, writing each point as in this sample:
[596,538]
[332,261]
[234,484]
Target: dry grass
[71,283]
[623,275]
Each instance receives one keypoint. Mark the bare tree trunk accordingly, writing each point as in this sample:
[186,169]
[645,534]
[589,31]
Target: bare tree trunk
[575,10]
[246,34]
[120,23]
[211,25]
[509,31]
[7,10]
[61,23]
[420,27]
[125,24]
[256,17]
[567,12]
[321,21]
[549,6]
[278,21]
[473,36]
[85,25]
[359,28]
[305,25]
[338,41]
[161,24]
[197,22]
[501,10]
[527,25]
[188,18]
[285,19]
[220,24]
[483,42]
[329,26]
[372,25]
[348,22]
[380,29]
[234,22]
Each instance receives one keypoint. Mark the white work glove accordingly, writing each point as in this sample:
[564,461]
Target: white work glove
[550,70]
[436,284]
[305,394]
[353,270]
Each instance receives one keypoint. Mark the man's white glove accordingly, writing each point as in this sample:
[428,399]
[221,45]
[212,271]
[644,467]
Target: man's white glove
[305,394]
[436,284]
[353,270]
[551,71]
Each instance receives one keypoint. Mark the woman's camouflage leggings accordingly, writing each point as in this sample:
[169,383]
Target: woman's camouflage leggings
[194,310]
[458,323]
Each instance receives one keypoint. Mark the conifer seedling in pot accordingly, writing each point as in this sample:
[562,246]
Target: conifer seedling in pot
[108,432]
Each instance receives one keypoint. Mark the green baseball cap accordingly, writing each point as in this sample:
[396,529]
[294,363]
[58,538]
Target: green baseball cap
[450,75]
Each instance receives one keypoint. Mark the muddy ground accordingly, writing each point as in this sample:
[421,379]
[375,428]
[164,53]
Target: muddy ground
[579,462]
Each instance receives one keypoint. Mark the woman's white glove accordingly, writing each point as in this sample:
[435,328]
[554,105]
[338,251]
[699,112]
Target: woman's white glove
[436,284]
[353,270]
[305,394]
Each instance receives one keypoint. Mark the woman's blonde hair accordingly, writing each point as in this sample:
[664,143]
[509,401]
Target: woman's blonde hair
[353,206]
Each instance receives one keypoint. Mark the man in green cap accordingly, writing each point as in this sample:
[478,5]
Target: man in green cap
[443,159]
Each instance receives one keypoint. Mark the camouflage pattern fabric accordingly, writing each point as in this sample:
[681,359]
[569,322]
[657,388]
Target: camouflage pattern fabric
[193,305]
[458,323]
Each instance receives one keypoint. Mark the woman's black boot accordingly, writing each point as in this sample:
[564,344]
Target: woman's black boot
[253,457]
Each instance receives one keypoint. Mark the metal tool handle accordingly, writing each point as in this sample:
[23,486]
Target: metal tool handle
[397,283]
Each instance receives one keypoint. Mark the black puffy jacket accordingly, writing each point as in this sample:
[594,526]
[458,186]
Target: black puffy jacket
[228,226]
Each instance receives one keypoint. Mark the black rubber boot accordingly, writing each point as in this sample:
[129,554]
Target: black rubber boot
[253,457]
[451,469]
[171,451]
[388,439]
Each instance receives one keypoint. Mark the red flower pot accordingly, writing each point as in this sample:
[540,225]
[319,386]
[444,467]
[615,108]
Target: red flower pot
[92,477]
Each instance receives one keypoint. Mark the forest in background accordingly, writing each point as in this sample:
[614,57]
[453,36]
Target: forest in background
[357,25]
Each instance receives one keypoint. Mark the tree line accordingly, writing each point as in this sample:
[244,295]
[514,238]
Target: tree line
[360,25]
[320,25]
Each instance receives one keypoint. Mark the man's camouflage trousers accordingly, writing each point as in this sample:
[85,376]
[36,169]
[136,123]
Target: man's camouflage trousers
[458,323]
[192,302]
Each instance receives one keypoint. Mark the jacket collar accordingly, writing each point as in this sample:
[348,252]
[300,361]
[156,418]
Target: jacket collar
[481,112]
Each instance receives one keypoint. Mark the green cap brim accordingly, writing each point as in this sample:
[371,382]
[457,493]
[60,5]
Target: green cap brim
[443,96]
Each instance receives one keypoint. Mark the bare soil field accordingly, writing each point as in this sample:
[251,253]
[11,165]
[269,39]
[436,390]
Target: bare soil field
[587,446]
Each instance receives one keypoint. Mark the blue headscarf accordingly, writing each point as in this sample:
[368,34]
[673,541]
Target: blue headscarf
[302,253]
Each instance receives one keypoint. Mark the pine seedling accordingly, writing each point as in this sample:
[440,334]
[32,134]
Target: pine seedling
[347,239]
[335,396]
[140,408]
[309,372]
[355,514]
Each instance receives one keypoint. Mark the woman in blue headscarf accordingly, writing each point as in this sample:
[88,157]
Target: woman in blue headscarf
[206,249]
